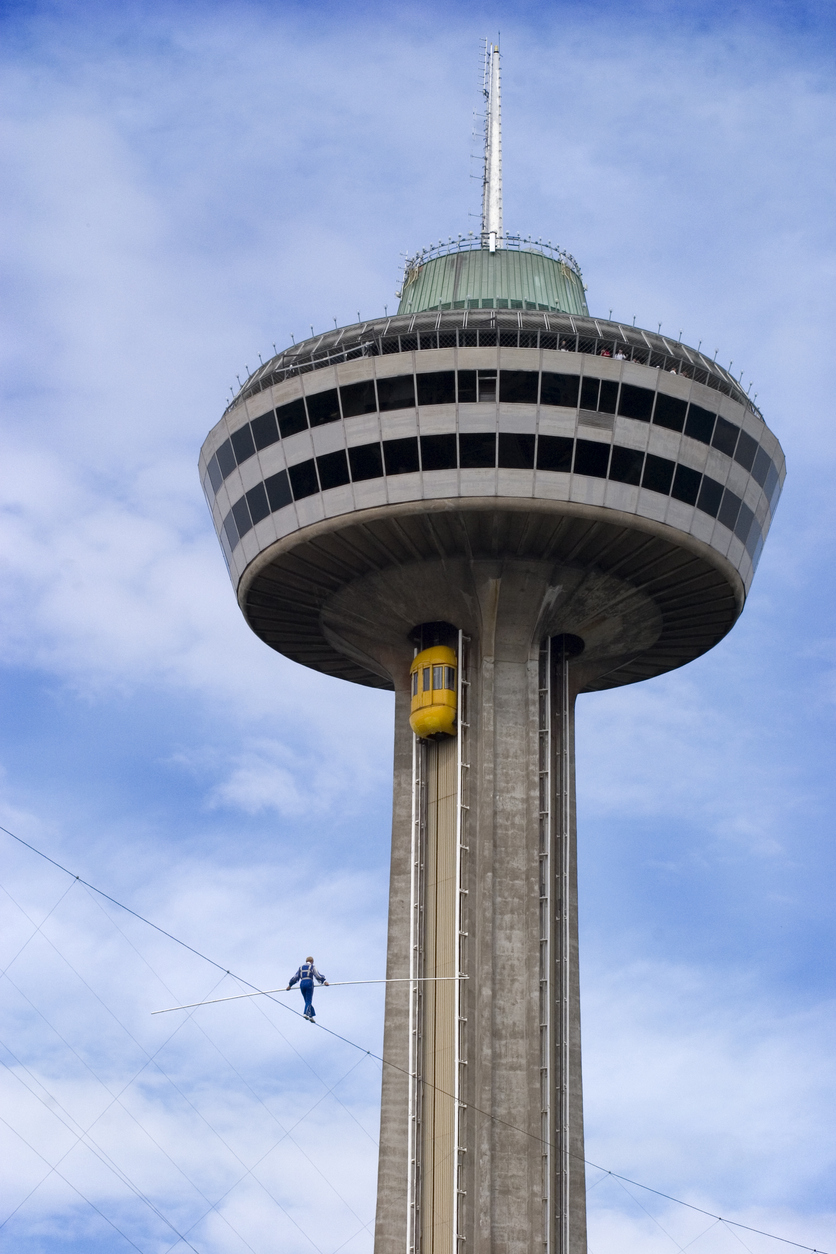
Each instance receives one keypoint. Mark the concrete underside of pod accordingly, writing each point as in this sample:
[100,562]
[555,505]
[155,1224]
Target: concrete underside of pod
[342,595]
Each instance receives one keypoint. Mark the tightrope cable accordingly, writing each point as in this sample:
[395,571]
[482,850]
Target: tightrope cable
[404,1071]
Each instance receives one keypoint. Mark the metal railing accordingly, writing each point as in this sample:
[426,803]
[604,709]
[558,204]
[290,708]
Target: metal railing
[475,242]
[488,328]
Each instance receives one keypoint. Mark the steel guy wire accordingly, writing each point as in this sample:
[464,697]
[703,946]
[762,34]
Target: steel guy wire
[286,1133]
[37,928]
[151,1058]
[387,1062]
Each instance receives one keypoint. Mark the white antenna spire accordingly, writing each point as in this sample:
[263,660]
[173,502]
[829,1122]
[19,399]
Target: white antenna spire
[492,189]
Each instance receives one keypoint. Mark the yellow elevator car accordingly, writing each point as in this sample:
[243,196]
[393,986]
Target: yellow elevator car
[433,709]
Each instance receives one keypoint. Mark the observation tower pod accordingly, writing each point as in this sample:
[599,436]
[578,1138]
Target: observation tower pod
[553,504]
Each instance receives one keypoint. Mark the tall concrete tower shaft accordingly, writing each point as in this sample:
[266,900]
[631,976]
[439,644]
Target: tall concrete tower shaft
[565,504]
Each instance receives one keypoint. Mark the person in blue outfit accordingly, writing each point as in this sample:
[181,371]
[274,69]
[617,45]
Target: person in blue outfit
[305,977]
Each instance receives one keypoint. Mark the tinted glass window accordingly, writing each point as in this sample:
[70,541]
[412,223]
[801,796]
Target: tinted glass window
[759,470]
[518,386]
[241,514]
[609,395]
[754,540]
[437,388]
[626,464]
[366,462]
[699,424]
[658,473]
[554,452]
[400,456]
[425,675]
[291,418]
[303,479]
[771,481]
[397,393]
[589,393]
[333,469]
[214,470]
[438,452]
[669,412]
[686,485]
[744,521]
[231,530]
[744,454]
[323,407]
[257,501]
[516,451]
[487,386]
[477,449]
[725,436]
[635,402]
[438,677]
[711,493]
[278,490]
[450,678]
[559,389]
[358,398]
[729,509]
[467,386]
[242,444]
[226,458]
[265,429]
[591,458]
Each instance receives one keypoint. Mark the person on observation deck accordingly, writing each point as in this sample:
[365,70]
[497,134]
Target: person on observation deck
[305,977]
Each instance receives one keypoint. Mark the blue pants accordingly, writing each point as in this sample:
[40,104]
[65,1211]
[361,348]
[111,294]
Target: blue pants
[306,988]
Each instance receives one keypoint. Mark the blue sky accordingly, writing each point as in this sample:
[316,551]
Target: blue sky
[186,185]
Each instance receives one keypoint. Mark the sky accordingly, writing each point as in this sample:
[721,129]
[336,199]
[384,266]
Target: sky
[186,186]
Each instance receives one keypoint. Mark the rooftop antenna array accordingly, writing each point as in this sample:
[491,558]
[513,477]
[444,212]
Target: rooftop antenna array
[492,178]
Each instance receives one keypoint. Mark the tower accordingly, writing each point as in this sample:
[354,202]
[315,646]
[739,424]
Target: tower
[534,503]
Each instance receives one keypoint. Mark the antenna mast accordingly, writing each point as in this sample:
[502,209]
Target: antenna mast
[492,186]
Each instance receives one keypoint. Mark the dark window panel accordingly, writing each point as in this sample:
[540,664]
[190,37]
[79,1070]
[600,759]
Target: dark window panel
[699,424]
[518,386]
[429,339]
[265,429]
[214,470]
[303,479]
[366,462]
[609,395]
[669,412]
[401,456]
[278,490]
[761,467]
[358,398]
[487,339]
[292,418]
[231,530]
[409,343]
[437,388]
[626,464]
[438,452]
[560,389]
[477,448]
[241,514]
[591,458]
[467,339]
[323,407]
[242,444]
[711,493]
[487,386]
[725,436]
[753,539]
[658,473]
[746,449]
[333,469]
[258,503]
[729,509]
[589,393]
[686,485]
[744,523]
[771,481]
[467,386]
[554,452]
[397,393]
[516,452]
[635,402]
[507,339]
[226,458]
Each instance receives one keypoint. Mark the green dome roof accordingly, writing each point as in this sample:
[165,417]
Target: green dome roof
[465,276]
